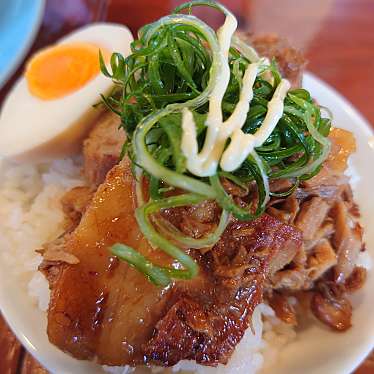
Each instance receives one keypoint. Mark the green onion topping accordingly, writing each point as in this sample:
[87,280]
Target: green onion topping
[173,65]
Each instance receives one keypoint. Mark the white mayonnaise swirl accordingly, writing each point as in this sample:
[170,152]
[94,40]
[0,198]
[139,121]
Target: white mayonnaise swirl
[205,163]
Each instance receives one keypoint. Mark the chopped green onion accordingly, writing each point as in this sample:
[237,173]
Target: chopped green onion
[154,273]
[174,65]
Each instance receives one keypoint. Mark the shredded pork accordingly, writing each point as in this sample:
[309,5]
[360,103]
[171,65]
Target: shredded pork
[323,209]
[312,214]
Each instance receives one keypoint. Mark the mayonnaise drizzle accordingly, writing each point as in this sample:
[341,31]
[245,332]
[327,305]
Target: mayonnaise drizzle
[205,163]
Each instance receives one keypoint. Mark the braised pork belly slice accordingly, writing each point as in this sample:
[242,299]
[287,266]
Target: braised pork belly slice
[102,308]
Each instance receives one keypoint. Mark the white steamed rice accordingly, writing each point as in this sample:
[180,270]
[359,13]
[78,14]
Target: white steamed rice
[30,215]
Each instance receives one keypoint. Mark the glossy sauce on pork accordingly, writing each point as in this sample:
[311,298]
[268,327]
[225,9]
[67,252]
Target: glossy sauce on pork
[103,308]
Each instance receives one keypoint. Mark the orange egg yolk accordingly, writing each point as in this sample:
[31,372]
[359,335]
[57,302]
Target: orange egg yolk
[62,69]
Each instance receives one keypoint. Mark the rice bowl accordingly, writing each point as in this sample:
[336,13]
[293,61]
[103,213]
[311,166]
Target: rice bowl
[211,218]
[49,182]
[28,195]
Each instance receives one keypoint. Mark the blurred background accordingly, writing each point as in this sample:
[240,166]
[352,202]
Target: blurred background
[337,37]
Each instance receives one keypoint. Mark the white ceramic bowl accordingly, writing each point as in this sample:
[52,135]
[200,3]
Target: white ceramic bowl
[316,350]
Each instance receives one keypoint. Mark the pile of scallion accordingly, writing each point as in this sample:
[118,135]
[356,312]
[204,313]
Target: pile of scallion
[173,66]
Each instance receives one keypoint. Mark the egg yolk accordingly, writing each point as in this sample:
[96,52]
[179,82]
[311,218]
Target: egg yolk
[62,69]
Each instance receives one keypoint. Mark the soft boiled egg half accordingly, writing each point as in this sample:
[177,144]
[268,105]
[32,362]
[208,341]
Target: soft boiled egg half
[51,108]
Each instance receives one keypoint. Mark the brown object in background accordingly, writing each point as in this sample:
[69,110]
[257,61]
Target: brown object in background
[10,350]
[136,13]
[31,366]
[368,365]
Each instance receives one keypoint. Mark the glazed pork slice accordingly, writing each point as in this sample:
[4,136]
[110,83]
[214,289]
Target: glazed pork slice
[100,306]
[103,309]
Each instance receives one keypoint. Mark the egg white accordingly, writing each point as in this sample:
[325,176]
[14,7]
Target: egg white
[32,128]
